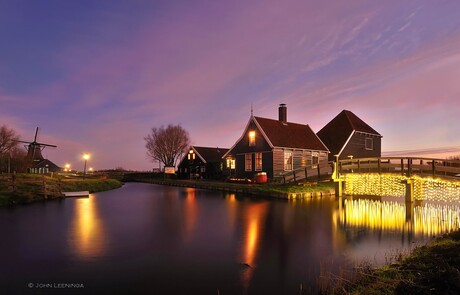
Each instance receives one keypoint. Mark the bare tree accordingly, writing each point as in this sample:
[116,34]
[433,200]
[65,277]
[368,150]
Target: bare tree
[8,139]
[8,146]
[167,145]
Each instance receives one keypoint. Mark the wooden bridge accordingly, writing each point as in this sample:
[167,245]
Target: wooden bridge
[411,177]
[407,166]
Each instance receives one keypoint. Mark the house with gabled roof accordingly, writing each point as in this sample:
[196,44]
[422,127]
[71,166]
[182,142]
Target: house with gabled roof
[275,147]
[203,163]
[350,137]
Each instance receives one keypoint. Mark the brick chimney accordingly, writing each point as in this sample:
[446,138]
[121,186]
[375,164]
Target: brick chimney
[282,111]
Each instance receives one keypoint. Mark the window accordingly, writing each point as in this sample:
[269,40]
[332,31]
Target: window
[314,160]
[231,163]
[258,161]
[287,161]
[248,162]
[191,155]
[252,138]
[369,143]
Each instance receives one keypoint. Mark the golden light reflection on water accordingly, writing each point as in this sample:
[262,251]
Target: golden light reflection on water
[420,220]
[190,213]
[86,235]
[254,219]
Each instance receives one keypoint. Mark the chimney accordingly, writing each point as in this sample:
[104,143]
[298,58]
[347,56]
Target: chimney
[282,111]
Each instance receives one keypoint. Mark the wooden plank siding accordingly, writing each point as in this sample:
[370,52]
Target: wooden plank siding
[356,147]
[300,159]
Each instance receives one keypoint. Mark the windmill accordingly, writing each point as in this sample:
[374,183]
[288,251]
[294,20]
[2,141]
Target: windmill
[34,149]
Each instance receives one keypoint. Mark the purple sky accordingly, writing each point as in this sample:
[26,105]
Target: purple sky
[95,76]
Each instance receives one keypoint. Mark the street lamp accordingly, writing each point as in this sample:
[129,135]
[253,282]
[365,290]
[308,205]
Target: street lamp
[86,158]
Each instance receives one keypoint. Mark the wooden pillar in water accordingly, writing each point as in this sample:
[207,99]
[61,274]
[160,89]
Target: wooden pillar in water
[409,191]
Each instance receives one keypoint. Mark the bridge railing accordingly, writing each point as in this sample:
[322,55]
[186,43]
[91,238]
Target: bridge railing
[407,166]
[319,171]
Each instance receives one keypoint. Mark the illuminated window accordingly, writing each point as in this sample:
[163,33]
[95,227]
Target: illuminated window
[287,161]
[231,163]
[258,161]
[314,159]
[191,155]
[252,138]
[248,162]
[369,142]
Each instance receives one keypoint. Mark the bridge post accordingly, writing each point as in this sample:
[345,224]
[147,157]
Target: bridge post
[409,190]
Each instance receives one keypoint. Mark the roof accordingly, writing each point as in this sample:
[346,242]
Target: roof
[289,135]
[336,133]
[210,154]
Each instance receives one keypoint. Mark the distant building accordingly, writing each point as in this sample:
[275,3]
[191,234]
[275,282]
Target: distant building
[275,147]
[348,136]
[203,163]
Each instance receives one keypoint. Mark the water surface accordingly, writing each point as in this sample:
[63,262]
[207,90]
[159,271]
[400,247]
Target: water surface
[150,239]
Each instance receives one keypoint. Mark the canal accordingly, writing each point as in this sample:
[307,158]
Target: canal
[151,239]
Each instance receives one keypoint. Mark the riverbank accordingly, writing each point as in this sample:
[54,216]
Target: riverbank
[281,191]
[27,188]
[430,269]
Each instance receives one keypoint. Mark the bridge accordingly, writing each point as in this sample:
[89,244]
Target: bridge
[411,177]
[414,178]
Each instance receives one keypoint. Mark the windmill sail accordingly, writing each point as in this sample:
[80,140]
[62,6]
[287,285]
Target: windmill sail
[34,148]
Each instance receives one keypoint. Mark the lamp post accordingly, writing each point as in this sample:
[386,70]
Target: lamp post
[86,158]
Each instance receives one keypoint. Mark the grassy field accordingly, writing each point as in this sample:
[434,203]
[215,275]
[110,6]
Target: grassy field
[430,269]
[26,188]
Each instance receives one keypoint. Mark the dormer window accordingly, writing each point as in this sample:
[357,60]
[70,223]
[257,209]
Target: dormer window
[252,138]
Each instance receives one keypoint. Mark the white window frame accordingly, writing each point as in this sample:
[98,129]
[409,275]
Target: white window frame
[248,162]
[288,160]
[369,143]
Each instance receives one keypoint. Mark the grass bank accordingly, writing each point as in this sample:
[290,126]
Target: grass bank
[430,269]
[27,188]
[284,191]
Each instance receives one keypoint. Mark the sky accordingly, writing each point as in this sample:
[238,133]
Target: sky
[96,76]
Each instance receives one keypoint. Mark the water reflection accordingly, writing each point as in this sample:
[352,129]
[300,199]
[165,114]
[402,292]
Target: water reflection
[421,220]
[86,235]
[254,218]
[190,213]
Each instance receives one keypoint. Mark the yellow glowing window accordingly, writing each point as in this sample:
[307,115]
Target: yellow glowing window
[231,163]
[248,162]
[252,138]
[258,161]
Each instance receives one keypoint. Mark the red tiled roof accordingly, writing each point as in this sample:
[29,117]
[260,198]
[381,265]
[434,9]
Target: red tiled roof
[290,135]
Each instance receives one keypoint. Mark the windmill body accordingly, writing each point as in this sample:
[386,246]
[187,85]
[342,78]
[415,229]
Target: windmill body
[34,154]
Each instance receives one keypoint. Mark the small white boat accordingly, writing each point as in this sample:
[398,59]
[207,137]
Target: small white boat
[76,194]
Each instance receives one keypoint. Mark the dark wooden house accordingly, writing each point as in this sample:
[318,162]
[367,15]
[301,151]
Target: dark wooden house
[203,163]
[348,136]
[275,147]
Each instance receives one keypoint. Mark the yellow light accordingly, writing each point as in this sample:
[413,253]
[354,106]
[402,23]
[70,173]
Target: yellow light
[90,168]
[426,220]
[391,185]
[86,157]
[252,138]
